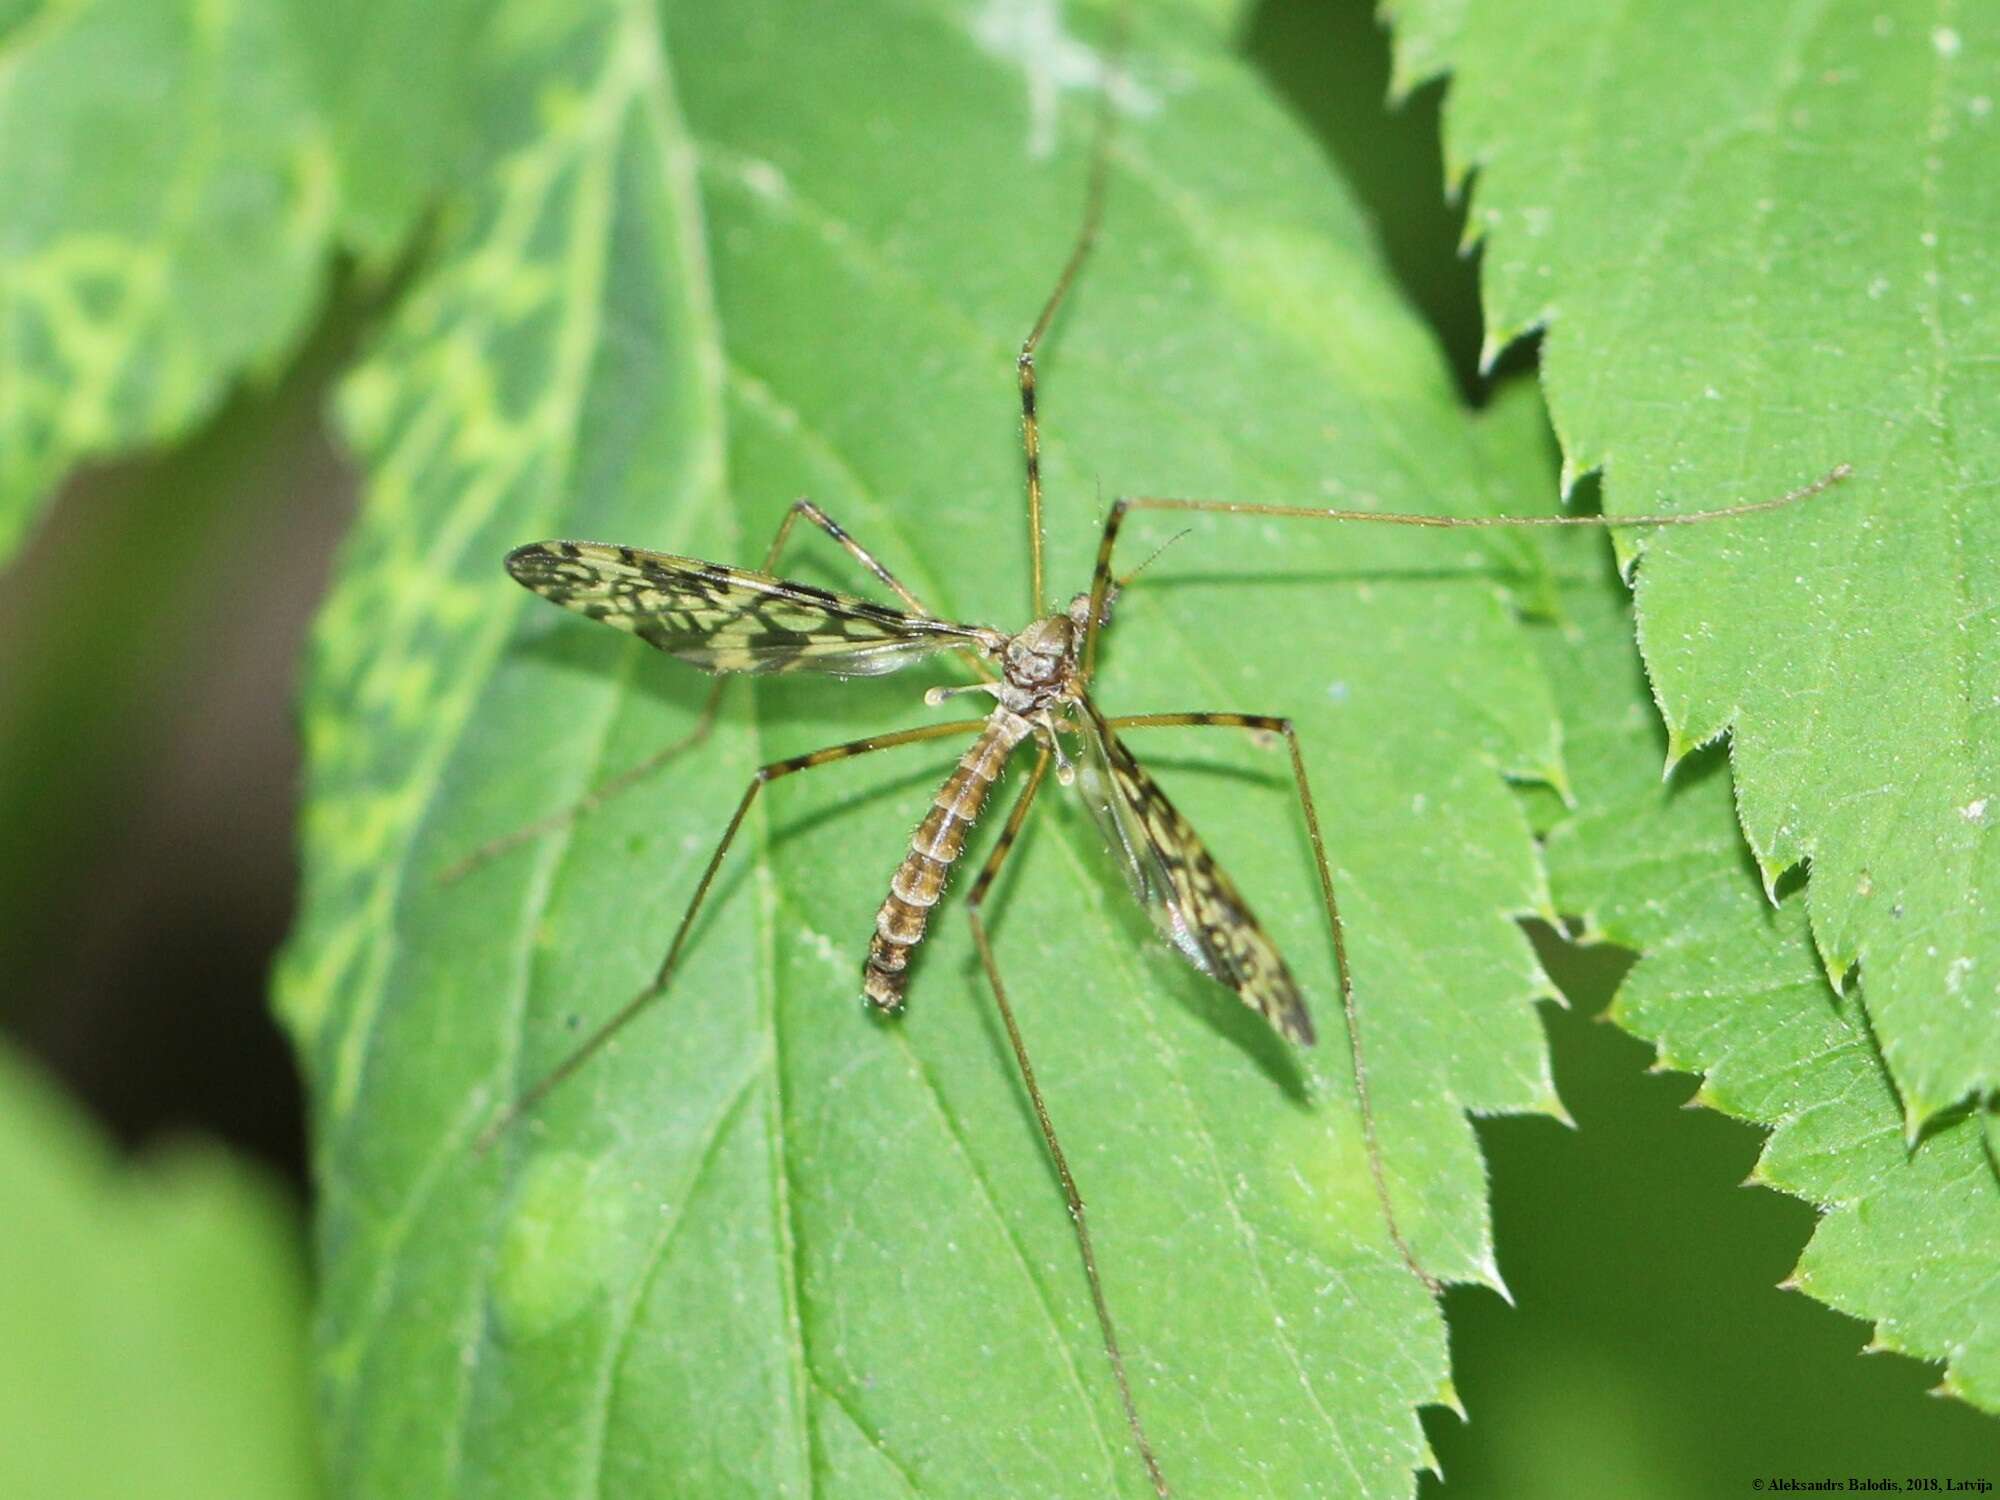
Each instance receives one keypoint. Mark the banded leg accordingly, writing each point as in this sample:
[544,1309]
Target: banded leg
[854,549]
[1270,724]
[704,722]
[1079,251]
[974,902]
[1101,585]
[762,777]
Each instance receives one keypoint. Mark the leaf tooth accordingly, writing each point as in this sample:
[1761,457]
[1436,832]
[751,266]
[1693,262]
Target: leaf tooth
[1679,746]
[1666,1060]
[1702,1098]
[1447,1396]
[1551,1104]
[1585,931]
[1770,870]
[1470,234]
[1572,475]
[1486,1271]
[1542,906]
[1427,1459]
[1917,1111]
[1497,341]
[1405,78]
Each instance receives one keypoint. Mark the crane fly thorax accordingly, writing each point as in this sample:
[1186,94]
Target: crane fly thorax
[1039,665]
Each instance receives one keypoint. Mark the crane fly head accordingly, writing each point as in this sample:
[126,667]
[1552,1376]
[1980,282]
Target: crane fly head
[1041,662]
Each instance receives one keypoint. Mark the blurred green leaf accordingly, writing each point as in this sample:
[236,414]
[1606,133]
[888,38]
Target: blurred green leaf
[762,1245]
[15,13]
[152,1318]
[168,198]
[1731,987]
[398,82]
[1764,240]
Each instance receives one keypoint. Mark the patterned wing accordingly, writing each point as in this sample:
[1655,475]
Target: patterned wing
[729,619]
[1189,897]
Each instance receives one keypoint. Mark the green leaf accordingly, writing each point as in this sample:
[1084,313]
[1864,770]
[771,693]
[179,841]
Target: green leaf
[1762,241]
[399,85]
[1731,987]
[169,195]
[152,1317]
[763,1246]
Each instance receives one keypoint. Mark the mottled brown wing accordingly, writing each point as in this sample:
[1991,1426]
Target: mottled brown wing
[725,619]
[1189,897]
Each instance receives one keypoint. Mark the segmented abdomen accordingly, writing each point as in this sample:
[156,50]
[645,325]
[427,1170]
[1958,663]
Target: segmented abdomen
[936,845]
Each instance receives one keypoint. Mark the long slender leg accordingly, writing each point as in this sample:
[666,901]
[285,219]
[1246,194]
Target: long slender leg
[1079,251]
[1101,579]
[867,559]
[762,777]
[1271,724]
[974,902]
[704,722]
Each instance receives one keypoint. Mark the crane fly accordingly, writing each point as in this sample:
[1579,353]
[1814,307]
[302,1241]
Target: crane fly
[729,620]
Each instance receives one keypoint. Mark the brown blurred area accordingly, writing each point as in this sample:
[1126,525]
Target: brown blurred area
[151,636]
